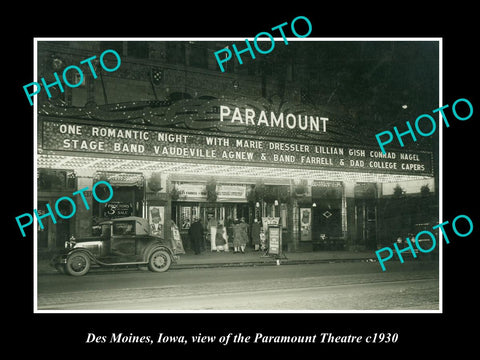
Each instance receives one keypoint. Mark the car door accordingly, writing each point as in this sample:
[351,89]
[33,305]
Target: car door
[123,242]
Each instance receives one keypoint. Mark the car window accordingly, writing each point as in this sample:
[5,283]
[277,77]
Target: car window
[124,228]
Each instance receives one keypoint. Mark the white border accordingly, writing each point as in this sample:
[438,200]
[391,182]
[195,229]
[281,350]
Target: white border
[339,39]
[35,202]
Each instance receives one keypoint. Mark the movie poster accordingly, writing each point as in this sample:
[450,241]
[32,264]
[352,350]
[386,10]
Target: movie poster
[305,224]
[156,220]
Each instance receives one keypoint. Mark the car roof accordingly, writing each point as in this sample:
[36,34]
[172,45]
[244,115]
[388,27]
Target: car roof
[131,218]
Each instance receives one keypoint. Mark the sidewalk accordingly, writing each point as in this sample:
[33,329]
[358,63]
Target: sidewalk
[209,259]
[252,258]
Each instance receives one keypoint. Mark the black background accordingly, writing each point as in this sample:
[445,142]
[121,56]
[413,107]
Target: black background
[60,335]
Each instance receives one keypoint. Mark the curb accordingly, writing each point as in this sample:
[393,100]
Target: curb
[270,263]
[247,263]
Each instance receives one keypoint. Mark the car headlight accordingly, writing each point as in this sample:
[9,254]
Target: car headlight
[69,244]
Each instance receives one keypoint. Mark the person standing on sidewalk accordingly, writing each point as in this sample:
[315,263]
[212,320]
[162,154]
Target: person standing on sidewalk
[236,236]
[196,235]
[212,231]
[263,240]
[220,242]
[229,230]
[256,234]
[242,231]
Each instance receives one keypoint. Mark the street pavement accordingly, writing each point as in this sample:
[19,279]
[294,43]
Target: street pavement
[338,285]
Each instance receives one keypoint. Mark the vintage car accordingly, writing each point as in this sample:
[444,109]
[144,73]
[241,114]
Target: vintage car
[123,242]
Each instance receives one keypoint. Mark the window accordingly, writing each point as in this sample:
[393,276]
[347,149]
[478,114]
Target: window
[124,228]
[105,231]
[138,49]
[327,213]
[175,52]
[251,68]
[198,55]
[188,214]
[112,45]
[49,179]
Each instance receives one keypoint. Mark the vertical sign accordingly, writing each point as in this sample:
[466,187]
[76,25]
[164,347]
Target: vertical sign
[176,239]
[275,240]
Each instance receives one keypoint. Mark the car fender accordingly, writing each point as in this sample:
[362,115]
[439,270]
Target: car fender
[158,246]
[80,249]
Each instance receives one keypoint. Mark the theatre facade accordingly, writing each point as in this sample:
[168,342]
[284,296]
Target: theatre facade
[181,142]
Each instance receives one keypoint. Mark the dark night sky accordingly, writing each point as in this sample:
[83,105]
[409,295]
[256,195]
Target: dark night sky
[362,82]
[371,80]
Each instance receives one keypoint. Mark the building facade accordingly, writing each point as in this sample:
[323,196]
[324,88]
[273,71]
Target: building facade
[179,140]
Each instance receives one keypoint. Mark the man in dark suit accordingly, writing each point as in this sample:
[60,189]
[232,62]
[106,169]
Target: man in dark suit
[196,235]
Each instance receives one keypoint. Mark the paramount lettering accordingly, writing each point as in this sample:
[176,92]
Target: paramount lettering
[269,339]
[290,121]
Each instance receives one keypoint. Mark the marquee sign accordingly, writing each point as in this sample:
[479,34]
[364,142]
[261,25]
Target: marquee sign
[198,146]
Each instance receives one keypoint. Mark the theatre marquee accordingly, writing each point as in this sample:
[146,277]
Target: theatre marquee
[198,146]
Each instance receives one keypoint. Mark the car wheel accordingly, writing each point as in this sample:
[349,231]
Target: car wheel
[77,264]
[159,261]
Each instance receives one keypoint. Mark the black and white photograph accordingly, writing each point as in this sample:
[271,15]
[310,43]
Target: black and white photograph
[205,181]
[223,140]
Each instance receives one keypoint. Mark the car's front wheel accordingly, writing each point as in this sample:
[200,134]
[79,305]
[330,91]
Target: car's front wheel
[159,261]
[77,264]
